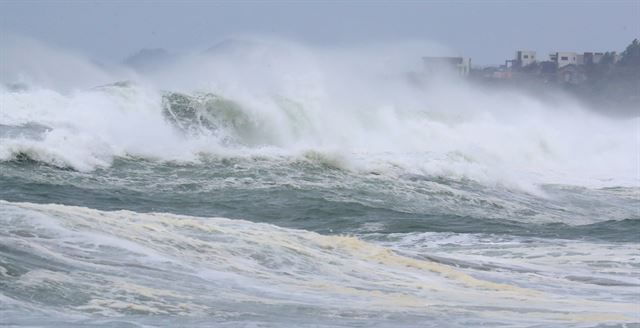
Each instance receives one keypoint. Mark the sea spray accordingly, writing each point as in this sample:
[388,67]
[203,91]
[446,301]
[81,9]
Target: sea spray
[262,97]
[269,183]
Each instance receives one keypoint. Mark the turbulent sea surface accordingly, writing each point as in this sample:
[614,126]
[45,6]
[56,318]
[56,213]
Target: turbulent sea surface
[262,185]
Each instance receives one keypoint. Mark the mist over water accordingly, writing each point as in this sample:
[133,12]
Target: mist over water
[134,177]
[369,108]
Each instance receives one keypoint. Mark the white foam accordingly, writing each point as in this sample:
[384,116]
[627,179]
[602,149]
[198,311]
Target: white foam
[168,264]
[356,104]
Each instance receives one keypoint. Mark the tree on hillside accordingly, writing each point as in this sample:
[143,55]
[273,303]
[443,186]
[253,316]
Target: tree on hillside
[631,55]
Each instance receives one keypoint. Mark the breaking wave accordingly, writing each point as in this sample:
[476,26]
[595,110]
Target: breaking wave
[357,109]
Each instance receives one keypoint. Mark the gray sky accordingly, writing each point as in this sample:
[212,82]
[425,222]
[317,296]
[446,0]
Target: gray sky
[488,31]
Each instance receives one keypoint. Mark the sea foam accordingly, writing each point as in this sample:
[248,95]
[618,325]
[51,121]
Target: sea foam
[373,108]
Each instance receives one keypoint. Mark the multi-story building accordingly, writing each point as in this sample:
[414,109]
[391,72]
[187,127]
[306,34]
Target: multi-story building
[459,65]
[592,57]
[564,58]
[525,58]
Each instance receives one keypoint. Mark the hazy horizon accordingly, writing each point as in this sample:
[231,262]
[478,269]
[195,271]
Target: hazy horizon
[488,31]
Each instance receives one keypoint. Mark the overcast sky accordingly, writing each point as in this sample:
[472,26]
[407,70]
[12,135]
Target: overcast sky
[488,31]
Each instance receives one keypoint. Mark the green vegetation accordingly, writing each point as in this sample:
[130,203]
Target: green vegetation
[610,83]
[631,55]
[613,83]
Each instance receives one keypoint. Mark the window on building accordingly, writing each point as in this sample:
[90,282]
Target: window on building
[525,56]
[564,58]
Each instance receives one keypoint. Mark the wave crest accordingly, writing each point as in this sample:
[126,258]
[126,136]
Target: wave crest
[288,100]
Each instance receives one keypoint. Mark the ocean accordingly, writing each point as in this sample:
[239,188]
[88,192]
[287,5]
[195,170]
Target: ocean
[276,185]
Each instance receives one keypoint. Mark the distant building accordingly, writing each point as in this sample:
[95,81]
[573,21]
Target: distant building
[563,67]
[564,58]
[592,57]
[459,65]
[525,58]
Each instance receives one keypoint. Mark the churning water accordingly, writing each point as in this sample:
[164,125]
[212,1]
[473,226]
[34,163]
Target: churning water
[271,184]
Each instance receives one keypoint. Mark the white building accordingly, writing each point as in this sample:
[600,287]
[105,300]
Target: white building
[525,57]
[593,57]
[459,65]
[564,58]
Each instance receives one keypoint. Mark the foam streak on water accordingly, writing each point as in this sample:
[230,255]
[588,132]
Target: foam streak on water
[268,183]
[84,262]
